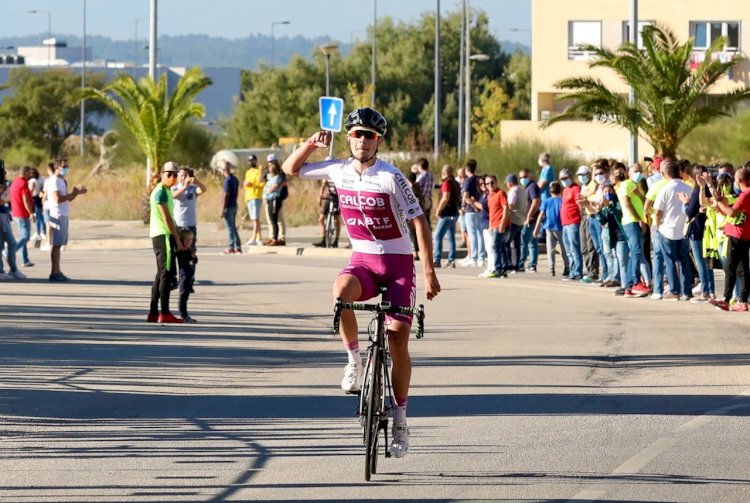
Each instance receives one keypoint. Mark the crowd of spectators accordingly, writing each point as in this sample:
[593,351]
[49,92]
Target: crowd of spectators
[656,231]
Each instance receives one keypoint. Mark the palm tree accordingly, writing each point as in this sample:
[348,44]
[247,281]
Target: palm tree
[671,98]
[146,109]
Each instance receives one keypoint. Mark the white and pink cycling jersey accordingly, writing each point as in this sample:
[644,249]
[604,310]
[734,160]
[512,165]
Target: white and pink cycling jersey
[375,205]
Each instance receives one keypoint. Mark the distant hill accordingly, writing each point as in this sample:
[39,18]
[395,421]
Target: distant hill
[202,50]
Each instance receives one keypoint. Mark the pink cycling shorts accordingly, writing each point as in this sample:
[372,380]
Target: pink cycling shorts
[394,271]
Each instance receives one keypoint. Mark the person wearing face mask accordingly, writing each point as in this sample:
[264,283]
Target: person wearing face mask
[529,244]
[633,221]
[59,208]
[165,240]
[570,216]
[590,230]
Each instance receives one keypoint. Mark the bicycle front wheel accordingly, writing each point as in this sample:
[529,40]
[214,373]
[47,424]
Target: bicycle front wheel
[372,417]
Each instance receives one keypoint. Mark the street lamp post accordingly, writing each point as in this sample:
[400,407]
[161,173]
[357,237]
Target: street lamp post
[49,30]
[151,66]
[633,40]
[374,47]
[327,50]
[467,130]
[135,47]
[83,84]
[272,37]
[436,146]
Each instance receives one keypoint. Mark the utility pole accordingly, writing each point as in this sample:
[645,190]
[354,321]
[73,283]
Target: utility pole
[462,58]
[633,40]
[151,70]
[436,148]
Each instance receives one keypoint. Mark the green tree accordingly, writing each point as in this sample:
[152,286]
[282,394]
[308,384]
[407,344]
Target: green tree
[284,101]
[517,75]
[150,113]
[671,98]
[494,106]
[43,109]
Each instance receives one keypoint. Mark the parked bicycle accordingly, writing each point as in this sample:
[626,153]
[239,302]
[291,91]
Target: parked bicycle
[374,409]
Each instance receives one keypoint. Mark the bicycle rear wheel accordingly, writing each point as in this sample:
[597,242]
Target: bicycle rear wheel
[372,416]
[330,234]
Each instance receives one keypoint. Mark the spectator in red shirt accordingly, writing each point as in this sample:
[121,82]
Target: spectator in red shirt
[499,222]
[738,246]
[23,212]
[570,216]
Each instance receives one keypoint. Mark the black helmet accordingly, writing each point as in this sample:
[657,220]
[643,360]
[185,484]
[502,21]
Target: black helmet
[369,118]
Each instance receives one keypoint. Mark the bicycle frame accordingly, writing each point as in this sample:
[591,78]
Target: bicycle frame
[373,410]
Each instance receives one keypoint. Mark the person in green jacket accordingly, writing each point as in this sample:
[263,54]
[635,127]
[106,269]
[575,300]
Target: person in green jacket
[166,241]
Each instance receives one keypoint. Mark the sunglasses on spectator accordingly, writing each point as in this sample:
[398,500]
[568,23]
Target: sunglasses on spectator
[363,133]
[171,174]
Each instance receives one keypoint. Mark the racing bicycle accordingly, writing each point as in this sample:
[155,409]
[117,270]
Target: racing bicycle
[374,409]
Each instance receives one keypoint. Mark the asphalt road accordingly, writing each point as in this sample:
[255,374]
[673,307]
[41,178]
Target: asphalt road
[525,389]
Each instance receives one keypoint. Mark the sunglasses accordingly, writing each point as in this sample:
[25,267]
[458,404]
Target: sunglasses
[171,174]
[363,133]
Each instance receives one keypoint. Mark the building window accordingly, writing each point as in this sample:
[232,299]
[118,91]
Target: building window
[706,32]
[626,31]
[583,33]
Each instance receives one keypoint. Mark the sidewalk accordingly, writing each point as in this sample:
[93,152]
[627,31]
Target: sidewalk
[133,234]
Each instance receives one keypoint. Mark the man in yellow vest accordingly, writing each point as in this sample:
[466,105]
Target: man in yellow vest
[166,241]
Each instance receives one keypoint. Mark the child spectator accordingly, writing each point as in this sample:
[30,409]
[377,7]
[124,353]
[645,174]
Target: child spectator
[549,220]
[186,260]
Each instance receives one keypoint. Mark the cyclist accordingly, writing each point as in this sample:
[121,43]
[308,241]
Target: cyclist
[326,196]
[374,200]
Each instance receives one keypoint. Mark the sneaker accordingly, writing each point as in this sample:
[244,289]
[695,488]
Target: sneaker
[656,296]
[685,298]
[739,307]
[721,304]
[18,275]
[620,292]
[152,318]
[493,274]
[629,294]
[28,264]
[587,280]
[400,442]
[451,264]
[4,276]
[697,289]
[436,264]
[611,283]
[58,277]
[670,296]
[271,242]
[531,269]
[485,274]
[480,263]
[566,272]
[641,288]
[251,242]
[352,374]
[169,318]
[188,319]
[700,299]
[466,262]
[228,251]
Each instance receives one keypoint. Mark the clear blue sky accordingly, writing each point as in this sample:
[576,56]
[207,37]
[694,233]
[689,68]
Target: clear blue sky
[340,20]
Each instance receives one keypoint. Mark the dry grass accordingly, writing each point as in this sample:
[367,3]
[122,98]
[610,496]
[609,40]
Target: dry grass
[118,195]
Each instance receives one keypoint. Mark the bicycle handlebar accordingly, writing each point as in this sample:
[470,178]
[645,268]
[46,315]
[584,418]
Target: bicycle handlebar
[382,307]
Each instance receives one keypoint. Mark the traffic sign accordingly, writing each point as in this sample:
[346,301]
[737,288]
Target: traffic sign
[331,113]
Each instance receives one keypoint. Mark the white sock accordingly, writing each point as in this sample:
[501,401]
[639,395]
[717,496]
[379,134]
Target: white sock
[399,416]
[354,356]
